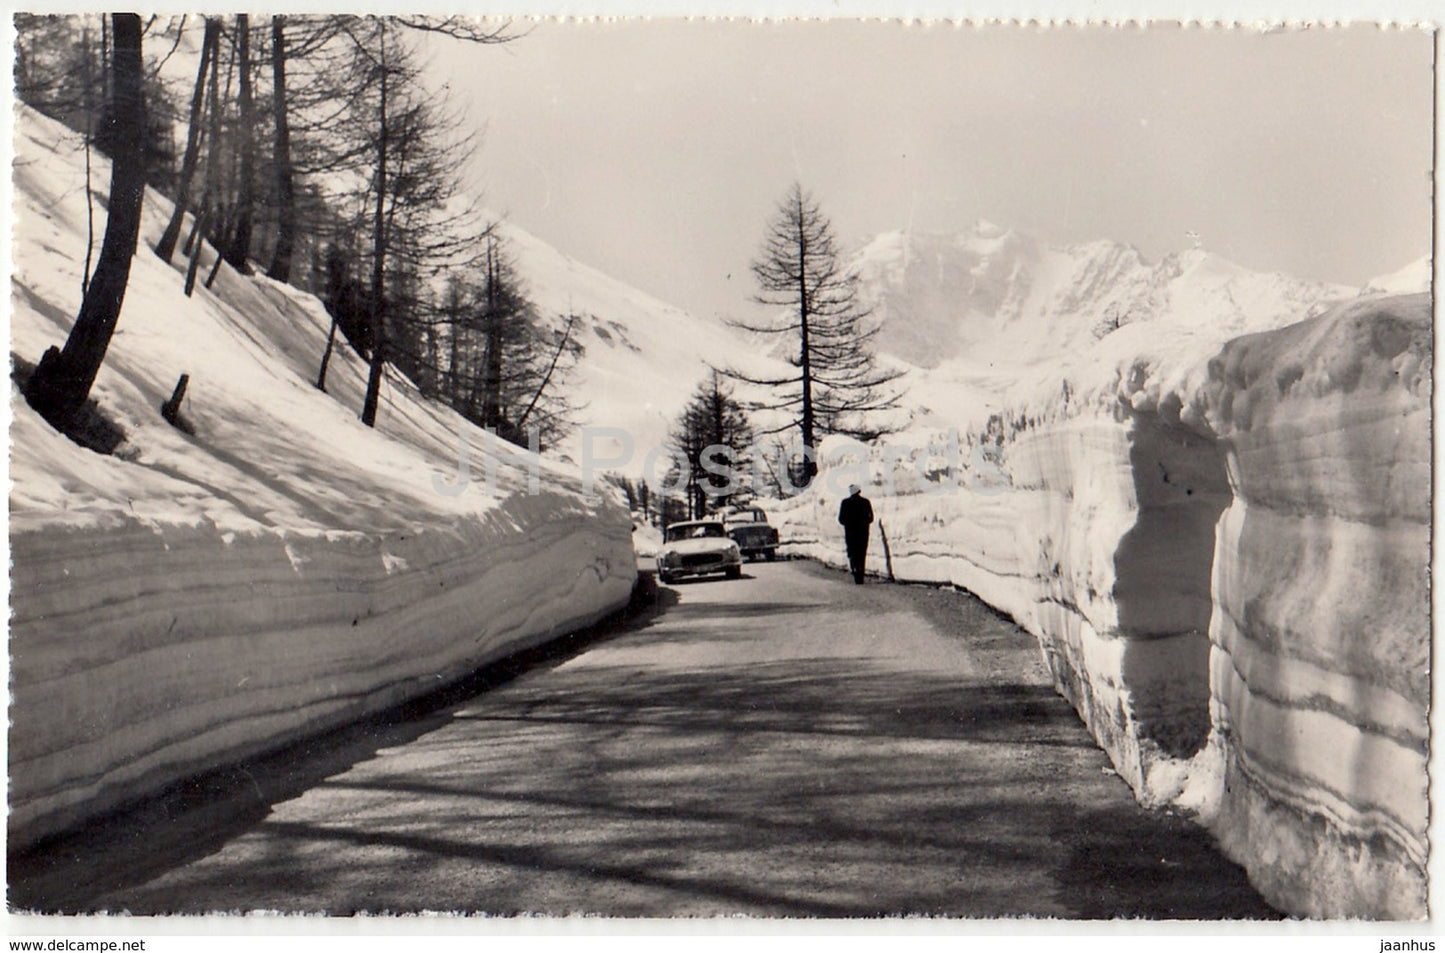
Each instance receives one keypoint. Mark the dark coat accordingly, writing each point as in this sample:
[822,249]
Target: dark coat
[856,514]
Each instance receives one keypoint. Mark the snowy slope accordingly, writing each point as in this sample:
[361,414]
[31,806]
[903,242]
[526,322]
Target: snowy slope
[197,597]
[643,358]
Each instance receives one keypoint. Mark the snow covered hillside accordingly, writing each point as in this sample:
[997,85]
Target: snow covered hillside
[643,358]
[1221,541]
[197,597]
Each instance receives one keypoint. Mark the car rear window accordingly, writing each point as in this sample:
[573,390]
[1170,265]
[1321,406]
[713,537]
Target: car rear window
[695,531]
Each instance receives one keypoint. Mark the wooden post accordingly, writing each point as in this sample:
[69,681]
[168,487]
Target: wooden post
[887,553]
[171,409]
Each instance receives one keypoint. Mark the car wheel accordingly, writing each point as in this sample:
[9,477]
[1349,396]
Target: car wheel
[665,578]
[770,555]
[734,572]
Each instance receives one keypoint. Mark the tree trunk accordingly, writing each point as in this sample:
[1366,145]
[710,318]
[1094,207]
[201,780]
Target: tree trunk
[171,409]
[326,356]
[280,269]
[206,220]
[223,220]
[89,145]
[240,245]
[805,355]
[492,385]
[210,46]
[105,42]
[61,383]
[378,260]
[454,389]
[196,243]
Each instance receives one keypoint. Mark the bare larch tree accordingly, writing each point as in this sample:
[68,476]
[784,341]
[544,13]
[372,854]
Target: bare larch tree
[62,381]
[837,387]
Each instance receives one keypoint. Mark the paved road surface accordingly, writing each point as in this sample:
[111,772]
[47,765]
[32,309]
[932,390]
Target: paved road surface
[786,744]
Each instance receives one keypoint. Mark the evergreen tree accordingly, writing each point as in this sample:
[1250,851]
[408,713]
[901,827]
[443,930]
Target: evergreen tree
[712,437]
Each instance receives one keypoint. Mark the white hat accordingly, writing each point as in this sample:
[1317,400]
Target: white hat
[854,489]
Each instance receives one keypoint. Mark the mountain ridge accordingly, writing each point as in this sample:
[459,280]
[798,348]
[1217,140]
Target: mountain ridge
[1002,294]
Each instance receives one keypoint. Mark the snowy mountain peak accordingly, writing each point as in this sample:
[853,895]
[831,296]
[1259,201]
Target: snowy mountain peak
[999,296]
[1414,278]
[1205,265]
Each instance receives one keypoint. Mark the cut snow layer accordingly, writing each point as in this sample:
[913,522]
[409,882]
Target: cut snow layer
[1222,546]
[1321,663]
[197,597]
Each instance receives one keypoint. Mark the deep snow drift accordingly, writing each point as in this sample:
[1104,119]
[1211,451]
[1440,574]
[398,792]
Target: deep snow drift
[1221,542]
[196,598]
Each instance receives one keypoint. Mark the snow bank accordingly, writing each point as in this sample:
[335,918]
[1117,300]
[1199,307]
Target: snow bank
[1321,661]
[198,597]
[646,539]
[1224,560]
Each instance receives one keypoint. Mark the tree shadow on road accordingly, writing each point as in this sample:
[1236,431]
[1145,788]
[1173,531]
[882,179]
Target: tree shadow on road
[959,785]
[813,787]
[802,787]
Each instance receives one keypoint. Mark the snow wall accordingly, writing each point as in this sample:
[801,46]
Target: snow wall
[142,655]
[277,569]
[1225,562]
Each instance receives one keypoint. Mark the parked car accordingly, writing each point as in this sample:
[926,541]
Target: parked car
[750,530]
[697,548]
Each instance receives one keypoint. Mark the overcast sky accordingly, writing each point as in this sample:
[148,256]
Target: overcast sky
[655,150]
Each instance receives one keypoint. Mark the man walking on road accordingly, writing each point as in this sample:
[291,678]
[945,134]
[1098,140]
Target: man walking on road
[856,515]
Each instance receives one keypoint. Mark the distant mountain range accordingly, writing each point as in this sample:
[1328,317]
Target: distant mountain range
[1003,297]
[988,297]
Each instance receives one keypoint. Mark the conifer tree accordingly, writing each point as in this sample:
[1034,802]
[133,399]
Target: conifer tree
[837,387]
[711,439]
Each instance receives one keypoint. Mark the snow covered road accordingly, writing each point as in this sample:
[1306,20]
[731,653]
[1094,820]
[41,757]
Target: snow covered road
[781,745]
